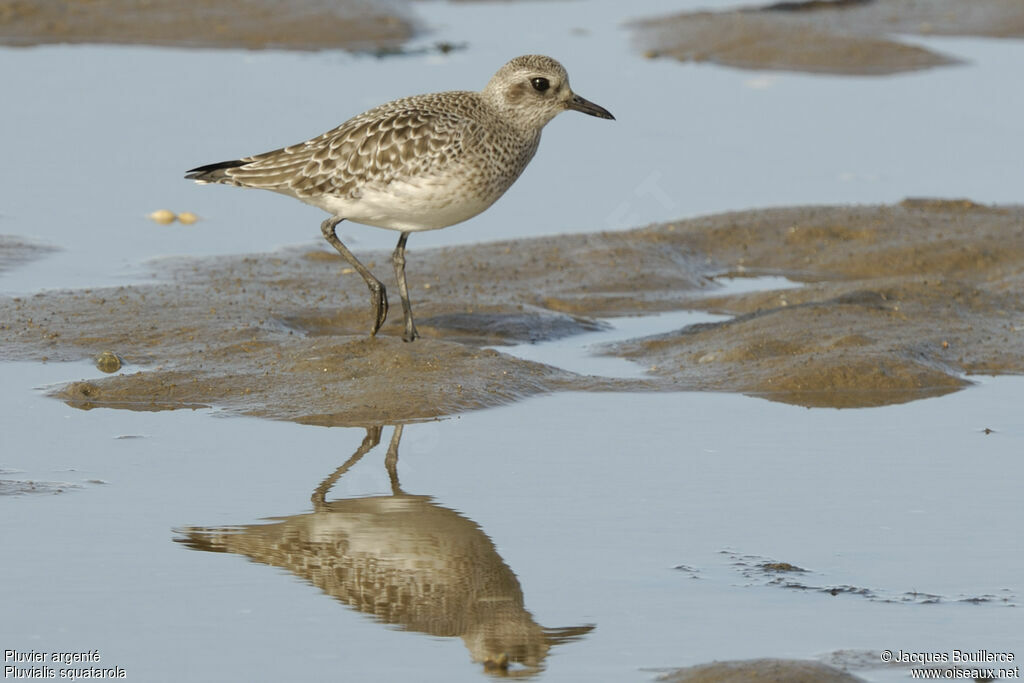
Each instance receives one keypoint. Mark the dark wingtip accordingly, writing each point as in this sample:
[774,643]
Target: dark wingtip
[211,171]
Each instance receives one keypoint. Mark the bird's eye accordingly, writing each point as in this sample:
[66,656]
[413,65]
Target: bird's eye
[540,84]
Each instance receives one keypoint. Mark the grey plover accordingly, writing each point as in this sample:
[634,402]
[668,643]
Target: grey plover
[418,163]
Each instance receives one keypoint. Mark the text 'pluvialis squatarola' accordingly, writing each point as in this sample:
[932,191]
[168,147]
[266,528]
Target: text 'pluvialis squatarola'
[417,163]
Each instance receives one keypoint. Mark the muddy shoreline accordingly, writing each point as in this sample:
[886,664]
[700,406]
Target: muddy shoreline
[356,25]
[844,37]
[897,303]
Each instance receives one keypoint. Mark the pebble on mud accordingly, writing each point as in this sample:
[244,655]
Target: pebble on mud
[108,362]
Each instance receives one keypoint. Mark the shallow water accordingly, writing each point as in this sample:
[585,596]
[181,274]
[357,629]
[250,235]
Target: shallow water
[581,353]
[628,512]
[644,515]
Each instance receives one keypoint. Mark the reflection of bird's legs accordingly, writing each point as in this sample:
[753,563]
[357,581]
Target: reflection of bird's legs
[391,461]
[370,441]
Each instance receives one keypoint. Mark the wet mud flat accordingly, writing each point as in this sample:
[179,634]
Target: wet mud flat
[846,37]
[253,24]
[763,670]
[897,303]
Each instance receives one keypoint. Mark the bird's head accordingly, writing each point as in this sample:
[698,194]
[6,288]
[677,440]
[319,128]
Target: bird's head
[533,89]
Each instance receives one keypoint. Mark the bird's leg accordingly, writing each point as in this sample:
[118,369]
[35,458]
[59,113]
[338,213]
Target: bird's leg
[391,460]
[398,259]
[370,442]
[378,294]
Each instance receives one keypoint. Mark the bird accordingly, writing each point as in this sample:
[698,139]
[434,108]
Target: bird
[423,162]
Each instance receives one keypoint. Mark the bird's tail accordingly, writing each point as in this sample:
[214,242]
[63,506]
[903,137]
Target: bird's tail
[213,173]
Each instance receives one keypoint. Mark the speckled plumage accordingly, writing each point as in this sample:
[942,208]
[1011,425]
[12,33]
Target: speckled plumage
[434,143]
[417,163]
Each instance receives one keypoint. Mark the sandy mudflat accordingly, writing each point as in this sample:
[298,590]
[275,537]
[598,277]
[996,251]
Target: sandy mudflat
[760,671]
[897,303]
[253,24]
[851,37]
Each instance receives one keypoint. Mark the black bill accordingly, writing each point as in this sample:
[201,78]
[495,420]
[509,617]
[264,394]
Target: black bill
[588,107]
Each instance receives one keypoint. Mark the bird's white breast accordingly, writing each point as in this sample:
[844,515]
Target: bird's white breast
[422,203]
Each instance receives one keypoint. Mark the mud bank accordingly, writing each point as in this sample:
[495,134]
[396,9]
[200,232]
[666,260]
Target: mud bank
[252,24]
[848,37]
[897,303]
[760,670]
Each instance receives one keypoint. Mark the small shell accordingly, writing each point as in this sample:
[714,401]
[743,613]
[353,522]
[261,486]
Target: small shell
[187,217]
[162,216]
[108,362]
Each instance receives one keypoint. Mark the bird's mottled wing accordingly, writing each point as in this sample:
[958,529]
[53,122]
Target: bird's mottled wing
[405,138]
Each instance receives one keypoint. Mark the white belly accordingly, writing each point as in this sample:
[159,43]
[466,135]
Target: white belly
[409,206]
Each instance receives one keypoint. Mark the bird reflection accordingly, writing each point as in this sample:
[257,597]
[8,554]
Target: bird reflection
[406,560]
